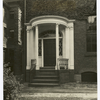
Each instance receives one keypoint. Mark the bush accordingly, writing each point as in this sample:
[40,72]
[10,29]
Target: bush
[11,85]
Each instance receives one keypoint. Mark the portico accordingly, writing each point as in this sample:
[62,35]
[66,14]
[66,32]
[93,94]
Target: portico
[56,28]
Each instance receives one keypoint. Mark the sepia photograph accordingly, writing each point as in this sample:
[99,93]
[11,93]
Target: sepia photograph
[50,50]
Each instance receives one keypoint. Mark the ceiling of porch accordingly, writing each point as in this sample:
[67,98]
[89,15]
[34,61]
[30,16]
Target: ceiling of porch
[46,27]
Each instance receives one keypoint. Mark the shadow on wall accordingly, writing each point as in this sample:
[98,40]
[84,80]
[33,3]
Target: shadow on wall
[89,77]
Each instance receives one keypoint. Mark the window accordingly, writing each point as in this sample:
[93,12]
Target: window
[89,77]
[91,19]
[12,15]
[5,38]
[40,48]
[49,33]
[60,46]
[91,43]
[91,35]
[5,55]
[11,35]
[5,32]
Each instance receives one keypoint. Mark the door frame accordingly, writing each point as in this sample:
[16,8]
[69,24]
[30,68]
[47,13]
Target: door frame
[55,48]
[42,40]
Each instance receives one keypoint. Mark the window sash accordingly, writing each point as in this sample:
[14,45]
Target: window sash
[91,43]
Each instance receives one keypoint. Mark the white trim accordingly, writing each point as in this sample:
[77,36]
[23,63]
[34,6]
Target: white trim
[42,53]
[28,50]
[57,20]
[50,38]
[67,42]
[57,42]
[48,19]
[71,47]
[36,47]
[42,40]
[4,25]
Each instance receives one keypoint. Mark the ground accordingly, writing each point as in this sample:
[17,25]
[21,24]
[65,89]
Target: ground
[55,98]
[68,91]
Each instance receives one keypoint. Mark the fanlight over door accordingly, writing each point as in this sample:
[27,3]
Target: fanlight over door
[49,33]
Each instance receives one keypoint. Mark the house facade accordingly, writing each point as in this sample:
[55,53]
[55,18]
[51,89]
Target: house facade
[12,44]
[57,36]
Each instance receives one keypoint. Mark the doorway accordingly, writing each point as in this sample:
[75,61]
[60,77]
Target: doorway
[49,52]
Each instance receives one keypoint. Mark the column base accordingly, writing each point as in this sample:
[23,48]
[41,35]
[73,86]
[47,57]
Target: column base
[71,67]
[37,67]
[28,67]
[55,67]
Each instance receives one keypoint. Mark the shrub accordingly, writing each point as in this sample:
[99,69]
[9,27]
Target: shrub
[11,85]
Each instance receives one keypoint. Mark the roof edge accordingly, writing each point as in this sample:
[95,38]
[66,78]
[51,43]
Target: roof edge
[50,16]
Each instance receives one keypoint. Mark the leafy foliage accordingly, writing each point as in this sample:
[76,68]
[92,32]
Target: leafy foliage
[11,85]
[67,8]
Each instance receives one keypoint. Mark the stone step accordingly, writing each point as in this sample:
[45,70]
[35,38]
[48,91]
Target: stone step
[45,80]
[43,84]
[46,73]
[47,68]
[46,77]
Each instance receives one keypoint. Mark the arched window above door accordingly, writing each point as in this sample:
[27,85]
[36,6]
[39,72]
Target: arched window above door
[49,33]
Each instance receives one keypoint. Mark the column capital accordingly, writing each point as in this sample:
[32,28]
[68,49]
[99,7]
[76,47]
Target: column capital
[28,30]
[70,25]
[57,24]
[36,25]
[66,26]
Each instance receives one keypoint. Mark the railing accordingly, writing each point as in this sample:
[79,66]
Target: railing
[62,63]
[33,69]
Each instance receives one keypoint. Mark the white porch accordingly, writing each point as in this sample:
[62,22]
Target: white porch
[39,25]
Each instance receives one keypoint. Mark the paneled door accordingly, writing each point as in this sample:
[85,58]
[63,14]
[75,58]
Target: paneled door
[49,52]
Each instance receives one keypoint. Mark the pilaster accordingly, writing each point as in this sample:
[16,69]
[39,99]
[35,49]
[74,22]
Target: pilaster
[36,46]
[66,52]
[28,50]
[57,42]
[71,46]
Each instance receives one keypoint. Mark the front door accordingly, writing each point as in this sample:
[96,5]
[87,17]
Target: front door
[49,52]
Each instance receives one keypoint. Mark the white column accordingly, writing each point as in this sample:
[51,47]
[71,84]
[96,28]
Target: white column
[31,44]
[28,50]
[57,42]
[42,54]
[66,42]
[71,46]
[36,46]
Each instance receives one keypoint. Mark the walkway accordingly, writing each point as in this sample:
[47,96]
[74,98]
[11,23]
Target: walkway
[69,91]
